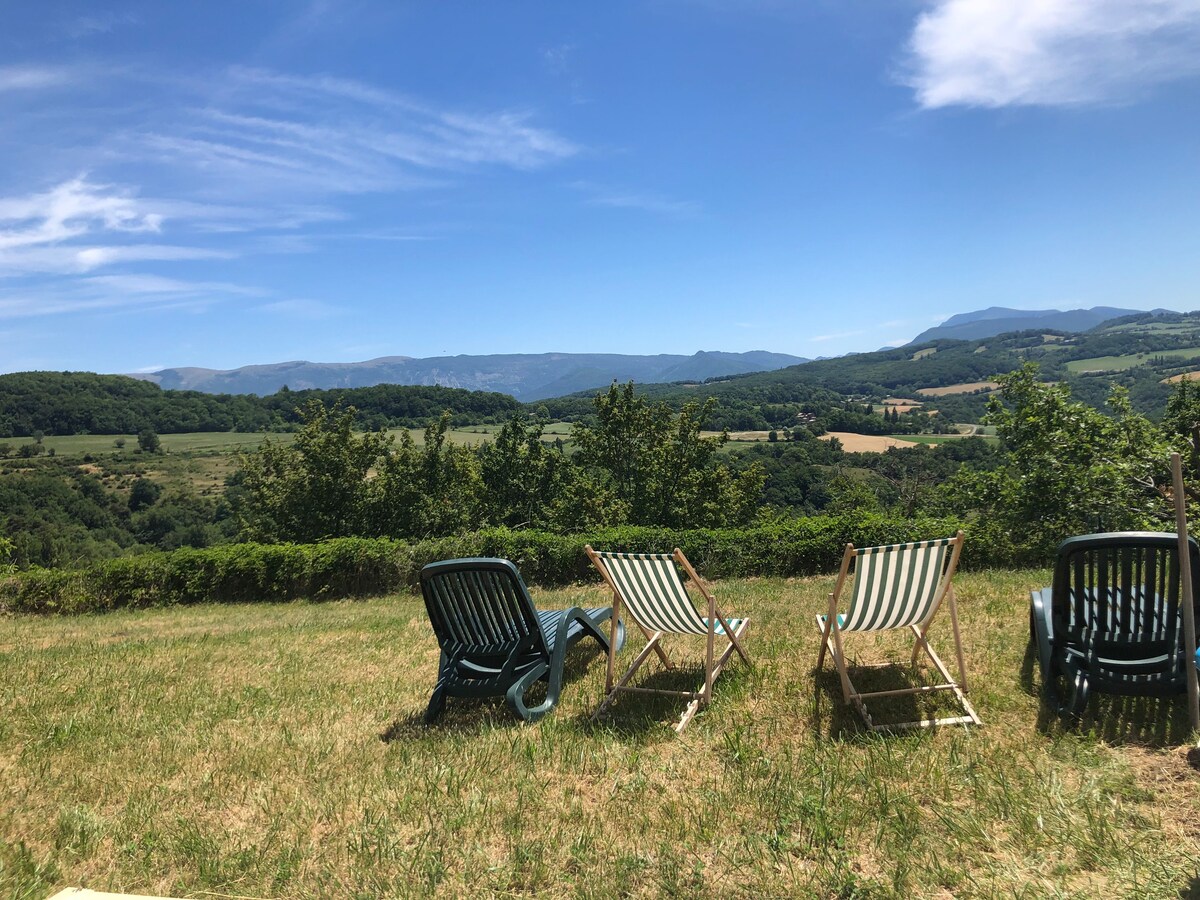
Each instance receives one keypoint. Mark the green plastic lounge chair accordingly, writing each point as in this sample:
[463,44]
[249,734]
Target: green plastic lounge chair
[494,641]
[898,586]
[647,586]
[1112,620]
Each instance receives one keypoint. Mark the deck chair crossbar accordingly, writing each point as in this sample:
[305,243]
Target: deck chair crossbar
[898,586]
[647,587]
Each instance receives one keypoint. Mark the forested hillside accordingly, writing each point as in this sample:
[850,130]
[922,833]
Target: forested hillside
[60,403]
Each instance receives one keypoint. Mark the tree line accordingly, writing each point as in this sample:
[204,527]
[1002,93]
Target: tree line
[64,403]
[1061,467]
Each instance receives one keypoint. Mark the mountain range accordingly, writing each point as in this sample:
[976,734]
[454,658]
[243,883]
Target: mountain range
[537,376]
[526,376]
[985,323]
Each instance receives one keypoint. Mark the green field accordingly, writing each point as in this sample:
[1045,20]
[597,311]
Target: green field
[1120,363]
[277,751]
[228,441]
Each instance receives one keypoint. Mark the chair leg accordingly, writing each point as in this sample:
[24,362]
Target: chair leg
[824,639]
[516,694]
[437,702]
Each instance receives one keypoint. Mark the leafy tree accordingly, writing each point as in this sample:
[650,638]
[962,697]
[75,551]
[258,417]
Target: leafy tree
[149,441]
[522,478]
[143,493]
[425,491]
[659,466]
[1070,469]
[315,488]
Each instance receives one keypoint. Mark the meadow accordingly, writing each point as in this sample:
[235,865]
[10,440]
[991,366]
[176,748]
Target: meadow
[278,751]
[1128,361]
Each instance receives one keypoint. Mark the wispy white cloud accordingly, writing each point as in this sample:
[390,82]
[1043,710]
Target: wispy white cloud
[322,135]
[117,293]
[155,284]
[27,78]
[289,149]
[646,202]
[69,210]
[99,23]
[56,231]
[995,53]
[301,309]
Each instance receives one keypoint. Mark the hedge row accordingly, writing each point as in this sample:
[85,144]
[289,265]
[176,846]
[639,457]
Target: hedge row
[360,567]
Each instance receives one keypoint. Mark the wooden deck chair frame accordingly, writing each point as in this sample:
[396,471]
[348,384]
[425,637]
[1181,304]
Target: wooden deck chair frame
[914,613]
[680,618]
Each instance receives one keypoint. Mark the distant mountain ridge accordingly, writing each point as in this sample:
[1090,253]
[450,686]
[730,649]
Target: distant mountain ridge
[985,323]
[526,376]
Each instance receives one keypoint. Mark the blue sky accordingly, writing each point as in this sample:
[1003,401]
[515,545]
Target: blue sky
[220,184]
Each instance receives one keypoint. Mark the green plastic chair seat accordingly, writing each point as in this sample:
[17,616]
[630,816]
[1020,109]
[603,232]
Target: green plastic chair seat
[494,641]
[1112,620]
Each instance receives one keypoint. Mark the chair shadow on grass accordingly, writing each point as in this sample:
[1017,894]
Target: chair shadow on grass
[475,715]
[843,721]
[1157,722]
[1191,891]
[640,716]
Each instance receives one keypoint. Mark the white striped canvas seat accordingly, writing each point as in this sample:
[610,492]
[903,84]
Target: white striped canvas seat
[655,595]
[648,588]
[897,586]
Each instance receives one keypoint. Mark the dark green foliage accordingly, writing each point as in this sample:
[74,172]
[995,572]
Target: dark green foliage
[656,466]
[520,476]
[423,491]
[358,567]
[314,488]
[400,406]
[143,493]
[1069,469]
[149,441]
[84,403]
[61,517]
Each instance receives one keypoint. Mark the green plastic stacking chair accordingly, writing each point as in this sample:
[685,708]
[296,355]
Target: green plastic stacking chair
[898,586]
[648,588]
[494,641]
[1112,620]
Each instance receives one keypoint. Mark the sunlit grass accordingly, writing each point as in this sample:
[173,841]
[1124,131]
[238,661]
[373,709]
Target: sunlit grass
[277,751]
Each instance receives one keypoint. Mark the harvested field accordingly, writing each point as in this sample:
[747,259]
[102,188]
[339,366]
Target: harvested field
[866,443]
[967,387]
[1175,379]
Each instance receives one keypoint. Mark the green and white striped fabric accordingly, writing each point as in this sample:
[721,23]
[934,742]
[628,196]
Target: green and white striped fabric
[896,586]
[650,587]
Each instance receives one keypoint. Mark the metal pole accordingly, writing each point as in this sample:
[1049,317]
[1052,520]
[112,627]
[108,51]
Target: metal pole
[1185,576]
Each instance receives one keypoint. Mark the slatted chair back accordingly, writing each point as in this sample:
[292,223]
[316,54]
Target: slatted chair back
[1117,600]
[480,607]
[653,592]
[898,585]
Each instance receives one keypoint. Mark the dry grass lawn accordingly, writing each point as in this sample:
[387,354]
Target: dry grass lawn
[278,751]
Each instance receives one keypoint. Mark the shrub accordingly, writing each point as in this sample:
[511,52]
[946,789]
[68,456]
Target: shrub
[362,567]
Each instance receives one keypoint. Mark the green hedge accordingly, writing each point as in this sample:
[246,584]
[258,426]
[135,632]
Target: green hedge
[360,567]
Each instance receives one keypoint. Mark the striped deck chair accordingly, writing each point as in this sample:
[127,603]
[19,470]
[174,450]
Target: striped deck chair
[898,586]
[494,641]
[648,587]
